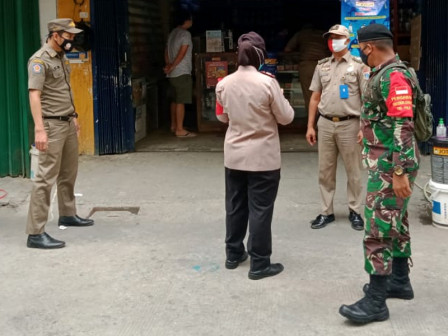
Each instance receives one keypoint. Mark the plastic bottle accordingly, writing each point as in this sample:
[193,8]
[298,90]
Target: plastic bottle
[34,153]
[441,129]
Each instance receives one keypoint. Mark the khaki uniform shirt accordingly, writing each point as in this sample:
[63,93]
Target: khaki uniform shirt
[253,105]
[49,72]
[329,75]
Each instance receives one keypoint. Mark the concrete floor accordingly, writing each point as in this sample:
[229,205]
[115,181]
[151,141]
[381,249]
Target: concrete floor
[161,272]
[165,141]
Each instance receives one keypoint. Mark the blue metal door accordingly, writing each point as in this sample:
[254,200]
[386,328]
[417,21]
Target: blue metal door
[114,118]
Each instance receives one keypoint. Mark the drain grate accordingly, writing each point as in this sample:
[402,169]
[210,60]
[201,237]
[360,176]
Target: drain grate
[132,210]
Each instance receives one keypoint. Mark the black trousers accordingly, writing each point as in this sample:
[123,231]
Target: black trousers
[250,198]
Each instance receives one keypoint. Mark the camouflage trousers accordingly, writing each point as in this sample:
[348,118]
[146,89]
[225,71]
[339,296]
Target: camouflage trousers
[387,224]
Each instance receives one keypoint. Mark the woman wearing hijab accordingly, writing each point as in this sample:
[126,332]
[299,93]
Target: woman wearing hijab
[252,103]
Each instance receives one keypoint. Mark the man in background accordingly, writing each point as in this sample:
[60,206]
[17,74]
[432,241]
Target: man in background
[178,59]
[311,47]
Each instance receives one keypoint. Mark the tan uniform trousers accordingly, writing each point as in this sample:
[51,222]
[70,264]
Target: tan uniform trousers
[58,164]
[334,138]
[306,72]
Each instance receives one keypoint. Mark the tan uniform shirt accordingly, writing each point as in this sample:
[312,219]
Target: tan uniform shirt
[329,75]
[254,104]
[49,72]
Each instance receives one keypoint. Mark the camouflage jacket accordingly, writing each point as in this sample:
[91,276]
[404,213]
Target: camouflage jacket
[387,122]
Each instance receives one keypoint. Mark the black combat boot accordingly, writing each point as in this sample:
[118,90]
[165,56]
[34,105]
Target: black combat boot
[398,284]
[372,307]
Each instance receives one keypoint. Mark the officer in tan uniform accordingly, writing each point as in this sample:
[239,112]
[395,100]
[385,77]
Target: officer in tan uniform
[56,134]
[336,98]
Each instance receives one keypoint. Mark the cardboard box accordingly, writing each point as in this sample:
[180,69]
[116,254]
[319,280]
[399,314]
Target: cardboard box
[403,52]
[140,122]
[138,91]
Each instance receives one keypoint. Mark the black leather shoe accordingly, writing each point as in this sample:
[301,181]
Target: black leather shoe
[232,264]
[356,220]
[321,221]
[44,241]
[271,270]
[74,221]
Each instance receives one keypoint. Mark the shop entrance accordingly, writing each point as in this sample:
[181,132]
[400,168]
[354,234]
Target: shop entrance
[148,25]
[276,21]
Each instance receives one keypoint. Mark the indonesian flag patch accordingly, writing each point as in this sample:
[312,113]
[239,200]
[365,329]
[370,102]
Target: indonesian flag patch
[399,101]
[402,90]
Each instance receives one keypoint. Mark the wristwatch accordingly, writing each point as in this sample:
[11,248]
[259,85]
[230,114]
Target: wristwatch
[398,170]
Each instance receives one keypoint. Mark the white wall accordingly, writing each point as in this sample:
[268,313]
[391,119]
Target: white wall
[47,12]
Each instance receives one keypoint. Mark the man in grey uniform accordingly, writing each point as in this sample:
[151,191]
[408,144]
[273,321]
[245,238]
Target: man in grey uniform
[56,134]
[336,98]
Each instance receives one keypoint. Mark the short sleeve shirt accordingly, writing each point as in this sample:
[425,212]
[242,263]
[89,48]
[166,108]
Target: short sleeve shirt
[328,77]
[178,38]
[49,72]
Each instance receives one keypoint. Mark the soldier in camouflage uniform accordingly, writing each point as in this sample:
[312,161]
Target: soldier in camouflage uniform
[391,156]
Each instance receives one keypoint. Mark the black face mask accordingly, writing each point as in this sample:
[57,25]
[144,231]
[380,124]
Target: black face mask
[364,58]
[67,45]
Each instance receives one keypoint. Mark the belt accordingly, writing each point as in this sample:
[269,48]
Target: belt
[336,119]
[62,118]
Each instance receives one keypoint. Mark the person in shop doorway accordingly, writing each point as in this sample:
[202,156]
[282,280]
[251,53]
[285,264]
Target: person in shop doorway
[178,59]
[56,131]
[253,104]
[392,158]
[311,48]
[336,100]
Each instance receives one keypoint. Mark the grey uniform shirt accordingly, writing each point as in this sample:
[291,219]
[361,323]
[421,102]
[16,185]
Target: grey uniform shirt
[49,72]
[178,38]
[329,75]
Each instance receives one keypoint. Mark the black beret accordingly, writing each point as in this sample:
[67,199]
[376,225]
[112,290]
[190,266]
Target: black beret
[374,32]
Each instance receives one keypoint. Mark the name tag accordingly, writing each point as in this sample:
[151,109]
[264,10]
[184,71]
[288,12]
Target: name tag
[343,91]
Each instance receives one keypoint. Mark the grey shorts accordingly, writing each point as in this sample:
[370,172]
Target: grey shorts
[181,88]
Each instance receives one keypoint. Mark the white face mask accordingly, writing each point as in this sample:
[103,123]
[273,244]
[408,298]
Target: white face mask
[337,45]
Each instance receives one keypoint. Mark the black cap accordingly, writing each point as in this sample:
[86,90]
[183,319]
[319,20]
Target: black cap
[374,32]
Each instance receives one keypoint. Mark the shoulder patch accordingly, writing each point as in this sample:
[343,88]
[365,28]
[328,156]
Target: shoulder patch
[399,100]
[323,60]
[37,67]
